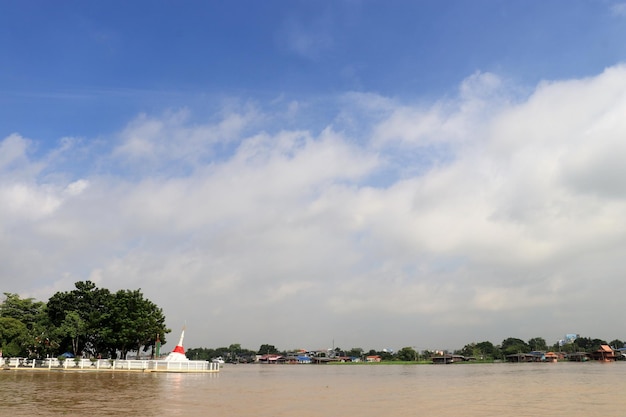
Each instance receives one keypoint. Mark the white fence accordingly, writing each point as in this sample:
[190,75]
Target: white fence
[115,364]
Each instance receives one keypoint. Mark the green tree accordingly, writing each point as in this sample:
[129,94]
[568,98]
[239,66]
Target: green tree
[14,337]
[469,350]
[38,339]
[407,354]
[202,354]
[355,352]
[595,344]
[588,345]
[538,344]
[134,322]
[75,327]
[384,355]
[245,355]
[487,350]
[616,344]
[512,346]
[26,310]
[93,306]
[267,350]
[234,351]
[112,323]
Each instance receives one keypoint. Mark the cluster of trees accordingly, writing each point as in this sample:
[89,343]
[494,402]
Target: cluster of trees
[235,353]
[513,345]
[87,321]
[232,353]
[486,351]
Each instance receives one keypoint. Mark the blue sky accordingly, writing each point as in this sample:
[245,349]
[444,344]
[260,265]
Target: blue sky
[432,172]
[77,69]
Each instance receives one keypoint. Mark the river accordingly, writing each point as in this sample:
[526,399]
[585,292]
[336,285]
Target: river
[525,389]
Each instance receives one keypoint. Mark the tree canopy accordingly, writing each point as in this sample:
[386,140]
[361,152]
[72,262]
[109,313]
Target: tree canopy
[87,320]
[513,345]
[266,349]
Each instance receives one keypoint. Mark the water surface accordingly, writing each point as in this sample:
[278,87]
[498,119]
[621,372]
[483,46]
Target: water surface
[527,389]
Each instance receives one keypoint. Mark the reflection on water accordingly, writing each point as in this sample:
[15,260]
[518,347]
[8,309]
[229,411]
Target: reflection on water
[559,389]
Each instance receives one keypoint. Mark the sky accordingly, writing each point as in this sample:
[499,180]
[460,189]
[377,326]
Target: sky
[316,174]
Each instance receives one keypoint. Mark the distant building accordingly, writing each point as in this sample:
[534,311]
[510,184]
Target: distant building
[569,338]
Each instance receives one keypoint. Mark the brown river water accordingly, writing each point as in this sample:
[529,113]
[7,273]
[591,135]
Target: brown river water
[526,389]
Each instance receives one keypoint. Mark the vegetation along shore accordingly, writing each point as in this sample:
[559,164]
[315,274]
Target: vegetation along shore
[94,323]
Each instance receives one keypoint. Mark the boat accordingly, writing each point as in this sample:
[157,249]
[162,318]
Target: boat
[219,360]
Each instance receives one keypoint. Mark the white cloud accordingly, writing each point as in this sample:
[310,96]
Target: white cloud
[22,201]
[433,135]
[148,141]
[517,219]
[307,39]
[15,160]
[12,150]
[77,187]
[618,9]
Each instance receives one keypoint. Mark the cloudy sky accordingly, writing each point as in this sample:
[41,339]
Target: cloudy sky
[372,174]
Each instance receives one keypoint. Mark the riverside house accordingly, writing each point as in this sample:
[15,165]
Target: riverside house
[605,354]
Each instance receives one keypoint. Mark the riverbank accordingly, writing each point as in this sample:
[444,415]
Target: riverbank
[423,362]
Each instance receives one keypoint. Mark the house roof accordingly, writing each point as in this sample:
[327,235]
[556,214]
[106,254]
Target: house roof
[270,357]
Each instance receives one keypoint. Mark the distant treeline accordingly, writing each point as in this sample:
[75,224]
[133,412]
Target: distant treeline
[481,351]
[88,320]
